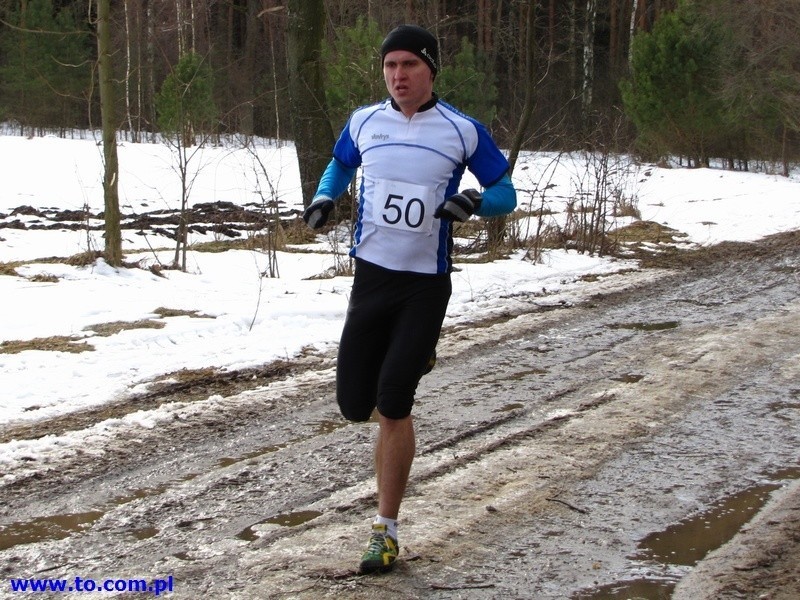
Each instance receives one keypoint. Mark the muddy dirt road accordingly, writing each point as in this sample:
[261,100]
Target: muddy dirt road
[598,444]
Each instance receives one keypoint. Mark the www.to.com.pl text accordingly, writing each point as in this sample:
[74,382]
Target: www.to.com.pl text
[156,587]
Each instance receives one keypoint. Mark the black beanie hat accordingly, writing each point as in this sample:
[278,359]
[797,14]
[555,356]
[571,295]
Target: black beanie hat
[416,40]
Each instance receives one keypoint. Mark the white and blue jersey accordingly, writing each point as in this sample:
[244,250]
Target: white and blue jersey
[409,167]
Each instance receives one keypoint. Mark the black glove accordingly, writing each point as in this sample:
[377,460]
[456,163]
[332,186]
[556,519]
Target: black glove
[459,207]
[316,215]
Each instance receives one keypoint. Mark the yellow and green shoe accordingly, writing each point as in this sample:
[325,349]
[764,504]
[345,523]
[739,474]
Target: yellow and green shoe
[381,552]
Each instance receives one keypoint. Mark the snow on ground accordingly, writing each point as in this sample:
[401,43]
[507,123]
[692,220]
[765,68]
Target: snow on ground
[243,319]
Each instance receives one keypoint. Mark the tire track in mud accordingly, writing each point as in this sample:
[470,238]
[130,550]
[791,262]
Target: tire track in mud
[173,417]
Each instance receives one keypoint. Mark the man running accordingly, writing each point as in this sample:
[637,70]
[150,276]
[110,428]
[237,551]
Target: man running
[413,150]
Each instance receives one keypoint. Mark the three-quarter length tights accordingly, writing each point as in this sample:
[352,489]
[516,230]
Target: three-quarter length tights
[390,332]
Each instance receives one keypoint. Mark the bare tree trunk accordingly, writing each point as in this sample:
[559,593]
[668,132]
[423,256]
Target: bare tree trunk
[113,243]
[275,91]
[613,26]
[252,30]
[496,227]
[530,86]
[643,15]
[192,22]
[179,24]
[588,59]
[493,51]
[150,57]
[573,51]
[128,116]
[139,81]
[784,156]
[312,130]
[483,25]
[632,27]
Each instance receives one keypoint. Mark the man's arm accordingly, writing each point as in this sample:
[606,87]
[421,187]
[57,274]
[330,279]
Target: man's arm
[498,199]
[332,184]
[334,180]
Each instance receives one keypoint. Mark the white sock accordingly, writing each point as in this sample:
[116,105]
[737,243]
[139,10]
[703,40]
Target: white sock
[391,525]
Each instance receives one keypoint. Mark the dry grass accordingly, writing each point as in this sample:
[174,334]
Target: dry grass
[189,375]
[56,343]
[646,232]
[115,327]
[178,312]
[44,278]
[10,268]
[223,245]
[84,259]
[296,232]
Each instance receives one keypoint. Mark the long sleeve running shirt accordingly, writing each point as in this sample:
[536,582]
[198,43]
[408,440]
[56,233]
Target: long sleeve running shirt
[409,167]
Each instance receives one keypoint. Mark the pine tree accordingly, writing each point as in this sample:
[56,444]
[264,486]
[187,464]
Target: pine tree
[467,86]
[47,56]
[185,104]
[353,75]
[673,96]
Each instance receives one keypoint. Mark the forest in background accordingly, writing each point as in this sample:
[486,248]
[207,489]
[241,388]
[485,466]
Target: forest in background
[718,78]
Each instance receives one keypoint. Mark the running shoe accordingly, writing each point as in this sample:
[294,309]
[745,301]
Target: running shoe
[381,552]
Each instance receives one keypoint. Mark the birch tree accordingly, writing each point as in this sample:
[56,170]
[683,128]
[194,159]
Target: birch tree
[588,59]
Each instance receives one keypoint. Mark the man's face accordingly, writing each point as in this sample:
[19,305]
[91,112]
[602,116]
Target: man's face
[408,79]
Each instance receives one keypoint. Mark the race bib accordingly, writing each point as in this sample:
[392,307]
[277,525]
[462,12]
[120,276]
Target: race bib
[404,206]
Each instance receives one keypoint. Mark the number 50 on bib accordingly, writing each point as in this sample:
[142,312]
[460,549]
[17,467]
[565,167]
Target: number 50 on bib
[404,206]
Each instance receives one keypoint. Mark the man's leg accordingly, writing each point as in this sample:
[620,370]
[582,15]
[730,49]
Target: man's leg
[415,326]
[394,453]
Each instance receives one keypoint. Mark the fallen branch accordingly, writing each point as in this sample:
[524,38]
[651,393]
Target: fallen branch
[568,505]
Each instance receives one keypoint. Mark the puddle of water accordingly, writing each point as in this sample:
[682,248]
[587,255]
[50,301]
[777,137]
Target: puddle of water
[329,426]
[227,461]
[687,542]
[291,519]
[55,527]
[628,378]
[641,326]
[786,474]
[629,590]
[58,527]
[248,534]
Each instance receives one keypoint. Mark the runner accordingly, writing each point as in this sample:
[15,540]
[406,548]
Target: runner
[413,150]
